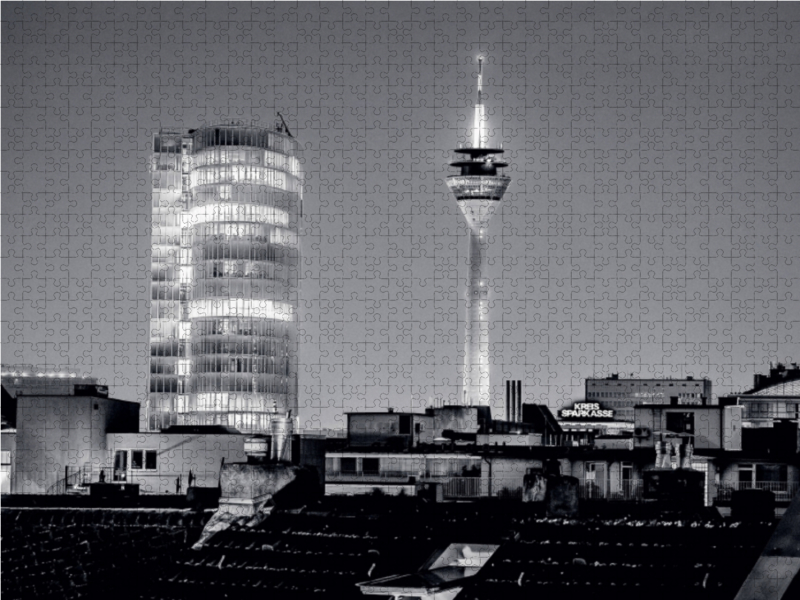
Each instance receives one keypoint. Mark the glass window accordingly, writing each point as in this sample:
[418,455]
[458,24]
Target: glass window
[680,422]
[627,471]
[746,473]
[405,424]
[348,465]
[371,466]
[137,459]
[772,473]
[150,460]
[120,465]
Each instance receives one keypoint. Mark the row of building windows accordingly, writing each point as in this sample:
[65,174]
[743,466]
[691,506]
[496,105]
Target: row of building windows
[231,211]
[168,273]
[261,365]
[272,347]
[242,269]
[237,288]
[775,409]
[478,187]
[258,365]
[263,251]
[220,401]
[416,466]
[240,326]
[636,384]
[209,382]
[228,155]
[241,193]
[136,460]
[246,174]
[241,307]
[634,395]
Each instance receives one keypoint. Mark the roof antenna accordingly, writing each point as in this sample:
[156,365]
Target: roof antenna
[285,126]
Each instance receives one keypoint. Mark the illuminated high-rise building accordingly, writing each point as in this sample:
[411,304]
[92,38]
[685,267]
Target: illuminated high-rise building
[226,210]
[478,190]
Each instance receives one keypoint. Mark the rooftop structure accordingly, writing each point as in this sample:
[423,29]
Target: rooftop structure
[778,374]
[41,380]
[478,190]
[226,205]
[773,396]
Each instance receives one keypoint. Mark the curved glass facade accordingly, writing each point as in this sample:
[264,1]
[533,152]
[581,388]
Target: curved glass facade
[226,206]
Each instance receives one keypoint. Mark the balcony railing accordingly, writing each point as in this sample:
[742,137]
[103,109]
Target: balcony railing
[387,476]
[783,490]
[332,475]
[462,487]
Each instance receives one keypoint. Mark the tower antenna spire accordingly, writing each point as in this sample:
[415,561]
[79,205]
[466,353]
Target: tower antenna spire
[480,79]
[479,126]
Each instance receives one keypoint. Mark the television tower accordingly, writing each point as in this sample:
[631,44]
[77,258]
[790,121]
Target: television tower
[478,190]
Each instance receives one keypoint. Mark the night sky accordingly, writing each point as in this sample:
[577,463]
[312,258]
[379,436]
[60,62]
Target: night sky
[651,226]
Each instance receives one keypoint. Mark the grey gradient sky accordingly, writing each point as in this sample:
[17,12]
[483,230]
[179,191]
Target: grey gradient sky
[651,226]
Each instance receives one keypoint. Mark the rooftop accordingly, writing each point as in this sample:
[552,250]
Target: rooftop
[325,549]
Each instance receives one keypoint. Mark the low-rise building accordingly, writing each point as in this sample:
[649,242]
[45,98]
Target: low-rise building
[59,444]
[60,435]
[622,395]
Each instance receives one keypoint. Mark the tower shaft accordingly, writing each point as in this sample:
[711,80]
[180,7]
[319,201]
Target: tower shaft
[475,380]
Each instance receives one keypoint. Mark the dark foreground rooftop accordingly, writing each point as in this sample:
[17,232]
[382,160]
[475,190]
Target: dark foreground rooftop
[324,550]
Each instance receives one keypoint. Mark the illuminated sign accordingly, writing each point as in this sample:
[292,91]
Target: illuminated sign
[586,410]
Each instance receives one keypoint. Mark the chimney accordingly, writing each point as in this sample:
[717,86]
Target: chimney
[513,401]
[508,399]
[281,428]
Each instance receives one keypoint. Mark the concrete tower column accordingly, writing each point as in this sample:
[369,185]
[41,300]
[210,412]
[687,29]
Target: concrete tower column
[478,190]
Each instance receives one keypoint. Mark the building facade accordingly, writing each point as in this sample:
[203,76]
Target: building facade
[621,395]
[226,209]
[773,396]
[478,190]
[59,436]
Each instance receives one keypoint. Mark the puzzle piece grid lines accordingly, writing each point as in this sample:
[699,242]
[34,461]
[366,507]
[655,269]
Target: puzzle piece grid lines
[649,227]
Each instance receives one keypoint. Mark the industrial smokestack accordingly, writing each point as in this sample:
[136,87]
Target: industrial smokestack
[513,401]
[508,399]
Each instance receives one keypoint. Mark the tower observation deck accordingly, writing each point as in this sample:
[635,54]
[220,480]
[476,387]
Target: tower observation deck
[478,190]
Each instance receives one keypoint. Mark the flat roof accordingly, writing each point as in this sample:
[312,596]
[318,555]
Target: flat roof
[394,412]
